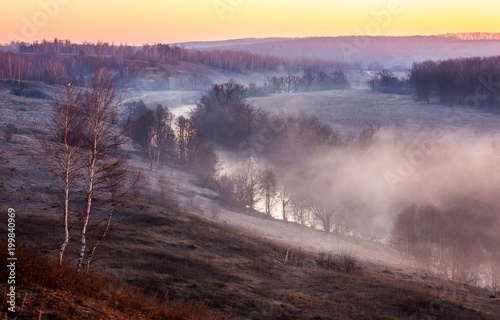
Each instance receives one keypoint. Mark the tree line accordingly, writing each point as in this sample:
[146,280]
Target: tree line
[459,242]
[50,61]
[251,188]
[471,82]
[164,139]
[310,80]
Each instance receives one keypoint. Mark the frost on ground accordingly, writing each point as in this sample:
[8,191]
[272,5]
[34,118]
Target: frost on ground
[347,110]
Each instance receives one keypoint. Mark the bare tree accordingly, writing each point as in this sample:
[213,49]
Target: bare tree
[226,188]
[114,182]
[308,78]
[204,164]
[402,236]
[267,186]
[386,78]
[423,78]
[247,117]
[153,133]
[291,83]
[53,71]
[223,115]
[67,125]
[366,137]
[247,184]
[195,152]
[188,140]
[323,210]
[102,141]
[199,82]
[285,194]
[454,241]
[495,276]
[161,137]
[283,84]
[19,66]
[301,209]
[10,66]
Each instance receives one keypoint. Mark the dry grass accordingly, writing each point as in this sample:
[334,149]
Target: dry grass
[181,255]
[170,256]
[58,292]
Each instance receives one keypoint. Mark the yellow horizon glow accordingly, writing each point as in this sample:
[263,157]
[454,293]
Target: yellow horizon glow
[168,21]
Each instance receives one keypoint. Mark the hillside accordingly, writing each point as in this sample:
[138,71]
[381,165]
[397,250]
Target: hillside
[388,51]
[193,249]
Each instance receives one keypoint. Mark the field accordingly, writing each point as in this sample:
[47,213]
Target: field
[349,110]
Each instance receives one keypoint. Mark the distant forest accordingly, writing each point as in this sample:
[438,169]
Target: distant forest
[472,82]
[49,61]
[385,50]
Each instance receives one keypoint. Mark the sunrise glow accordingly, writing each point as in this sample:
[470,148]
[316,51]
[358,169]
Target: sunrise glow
[166,21]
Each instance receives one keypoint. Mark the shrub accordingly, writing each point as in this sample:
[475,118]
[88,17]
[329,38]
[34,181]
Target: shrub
[9,131]
[343,262]
[29,93]
[214,212]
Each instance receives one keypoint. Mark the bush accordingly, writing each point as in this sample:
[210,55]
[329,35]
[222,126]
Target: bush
[214,212]
[343,262]
[347,263]
[29,93]
[166,192]
[386,82]
[256,91]
[9,131]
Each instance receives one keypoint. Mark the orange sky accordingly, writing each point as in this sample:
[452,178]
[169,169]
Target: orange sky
[166,21]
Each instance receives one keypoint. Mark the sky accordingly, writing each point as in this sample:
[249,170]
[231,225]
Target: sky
[169,21]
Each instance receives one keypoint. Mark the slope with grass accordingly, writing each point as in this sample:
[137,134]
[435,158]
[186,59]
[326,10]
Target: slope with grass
[167,253]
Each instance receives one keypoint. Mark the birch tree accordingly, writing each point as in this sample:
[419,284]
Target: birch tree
[102,142]
[66,123]
[114,182]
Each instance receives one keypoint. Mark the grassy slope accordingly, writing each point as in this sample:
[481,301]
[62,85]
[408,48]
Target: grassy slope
[46,290]
[172,253]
